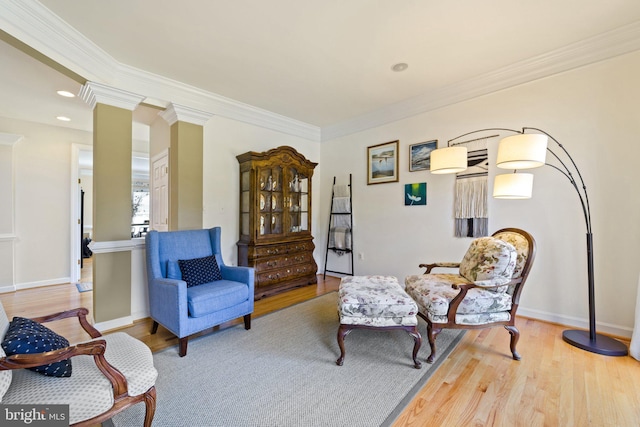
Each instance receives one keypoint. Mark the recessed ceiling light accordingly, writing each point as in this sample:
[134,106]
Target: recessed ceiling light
[400,66]
[65,93]
[63,118]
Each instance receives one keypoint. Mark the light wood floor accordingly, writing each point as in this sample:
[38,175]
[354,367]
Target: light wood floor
[479,384]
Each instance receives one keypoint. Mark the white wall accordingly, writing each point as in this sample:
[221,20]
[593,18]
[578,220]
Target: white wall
[42,162]
[593,112]
[224,139]
[7,235]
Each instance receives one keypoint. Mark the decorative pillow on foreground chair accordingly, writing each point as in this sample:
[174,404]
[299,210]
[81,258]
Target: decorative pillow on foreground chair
[24,336]
[110,372]
[484,293]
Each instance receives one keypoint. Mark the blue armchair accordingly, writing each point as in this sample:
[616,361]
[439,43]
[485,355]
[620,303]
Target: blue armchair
[186,310]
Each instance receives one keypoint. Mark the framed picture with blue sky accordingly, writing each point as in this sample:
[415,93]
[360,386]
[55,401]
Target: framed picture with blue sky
[382,163]
[420,155]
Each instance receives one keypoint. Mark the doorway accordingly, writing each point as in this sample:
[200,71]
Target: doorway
[81,210]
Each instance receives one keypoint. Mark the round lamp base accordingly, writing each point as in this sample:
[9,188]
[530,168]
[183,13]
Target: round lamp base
[601,345]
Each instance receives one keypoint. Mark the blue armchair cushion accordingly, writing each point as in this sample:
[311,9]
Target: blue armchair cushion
[199,270]
[215,296]
[25,336]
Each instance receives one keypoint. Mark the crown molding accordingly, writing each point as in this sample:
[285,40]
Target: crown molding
[35,25]
[38,27]
[620,41]
[174,113]
[9,138]
[96,93]
[187,95]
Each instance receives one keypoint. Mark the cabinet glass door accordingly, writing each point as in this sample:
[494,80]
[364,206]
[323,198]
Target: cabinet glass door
[245,187]
[297,200]
[270,201]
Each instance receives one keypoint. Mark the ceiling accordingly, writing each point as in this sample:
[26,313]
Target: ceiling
[29,92]
[318,62]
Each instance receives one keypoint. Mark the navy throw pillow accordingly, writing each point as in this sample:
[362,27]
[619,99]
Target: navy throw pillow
[199,270]
[25,336]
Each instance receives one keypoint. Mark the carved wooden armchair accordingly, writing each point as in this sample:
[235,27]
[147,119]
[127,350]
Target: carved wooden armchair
[484,293]
[96,378]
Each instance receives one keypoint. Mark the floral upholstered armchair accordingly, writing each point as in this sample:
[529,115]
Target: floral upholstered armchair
[484,293]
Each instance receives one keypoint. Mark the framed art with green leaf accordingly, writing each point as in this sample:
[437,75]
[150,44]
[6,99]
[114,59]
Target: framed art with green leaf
[415,194]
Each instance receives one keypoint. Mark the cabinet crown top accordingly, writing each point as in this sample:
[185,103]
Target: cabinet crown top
[285,152]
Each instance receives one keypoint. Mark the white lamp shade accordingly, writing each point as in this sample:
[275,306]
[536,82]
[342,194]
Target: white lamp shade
[523,151]
[513,186]
[449,160]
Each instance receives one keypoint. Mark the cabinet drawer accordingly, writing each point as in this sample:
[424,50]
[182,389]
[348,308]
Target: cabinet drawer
[282,261]
[274,276]
[300,246]
[264,251]
[287,248]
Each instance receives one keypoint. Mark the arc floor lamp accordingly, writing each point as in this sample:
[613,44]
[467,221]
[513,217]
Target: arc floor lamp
[527,149]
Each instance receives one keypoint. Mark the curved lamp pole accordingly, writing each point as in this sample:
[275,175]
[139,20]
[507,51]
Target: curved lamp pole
[518,153]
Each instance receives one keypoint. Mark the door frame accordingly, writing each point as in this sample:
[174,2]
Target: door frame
[75,231]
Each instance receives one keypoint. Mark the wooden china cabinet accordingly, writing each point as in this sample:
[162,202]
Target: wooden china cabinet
[275,219]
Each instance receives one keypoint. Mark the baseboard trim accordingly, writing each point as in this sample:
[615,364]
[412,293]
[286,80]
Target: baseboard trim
[6,289]
[114,324]
[139,315]
[575,322]
[40,283]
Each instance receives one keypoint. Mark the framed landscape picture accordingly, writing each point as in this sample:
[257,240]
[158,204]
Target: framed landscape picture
[420,155]
[382,163]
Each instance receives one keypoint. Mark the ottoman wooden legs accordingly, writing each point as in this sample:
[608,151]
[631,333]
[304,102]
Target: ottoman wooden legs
[344,330]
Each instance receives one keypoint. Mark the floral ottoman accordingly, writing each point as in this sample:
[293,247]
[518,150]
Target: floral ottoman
[376,302]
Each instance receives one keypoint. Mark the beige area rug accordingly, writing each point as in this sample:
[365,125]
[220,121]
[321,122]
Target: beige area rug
[282,372]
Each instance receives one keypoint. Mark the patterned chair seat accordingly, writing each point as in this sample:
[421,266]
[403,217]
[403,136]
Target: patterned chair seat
[434,293]
[376,302]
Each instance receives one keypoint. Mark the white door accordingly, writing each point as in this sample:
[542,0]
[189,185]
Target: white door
[160,192]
